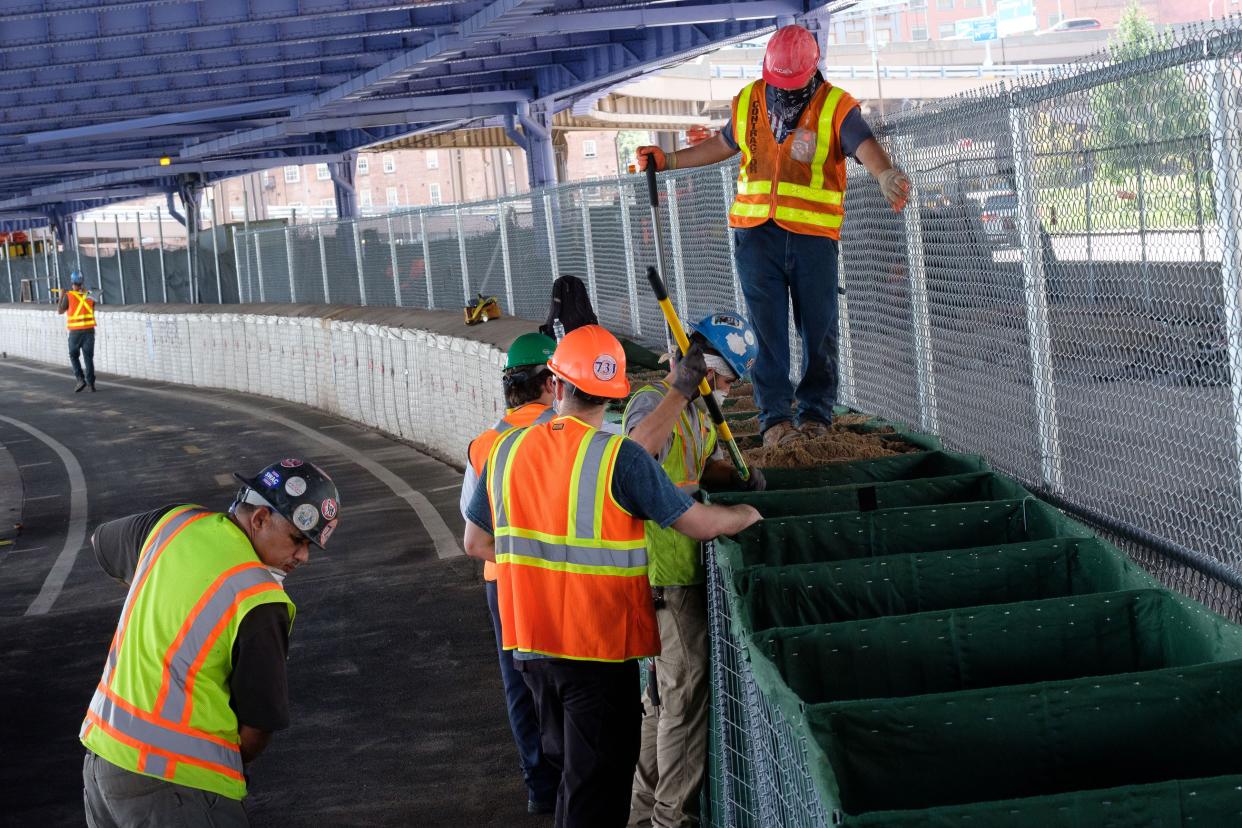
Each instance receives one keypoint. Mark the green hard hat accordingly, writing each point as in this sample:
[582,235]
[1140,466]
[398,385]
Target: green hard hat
[530,349]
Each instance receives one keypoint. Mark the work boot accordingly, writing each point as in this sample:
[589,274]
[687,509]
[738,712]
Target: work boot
[813,429]
[92,388]
[81,384]
[780,434]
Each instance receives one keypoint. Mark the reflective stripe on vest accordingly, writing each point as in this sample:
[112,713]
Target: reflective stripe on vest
[80,315]
[809,195]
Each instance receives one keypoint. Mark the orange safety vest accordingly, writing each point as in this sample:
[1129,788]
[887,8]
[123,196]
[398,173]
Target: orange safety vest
[481,446]
[571,564]
[800,183]
[80,315]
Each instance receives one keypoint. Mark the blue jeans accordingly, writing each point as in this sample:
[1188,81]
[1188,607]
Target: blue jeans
[83,342]
[542,779]
[776,266]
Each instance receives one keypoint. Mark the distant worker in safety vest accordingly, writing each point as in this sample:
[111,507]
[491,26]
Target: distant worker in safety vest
[669,421]
[80,321]
[194,683]
[794,131]
[565,503]
[528,389]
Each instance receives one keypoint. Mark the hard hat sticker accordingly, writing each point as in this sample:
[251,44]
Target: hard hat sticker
[291,463]
[750,337]
[605,367]
[271,479]
[328,509]
[296,486]
[305,517]
[326,532]
[737,343]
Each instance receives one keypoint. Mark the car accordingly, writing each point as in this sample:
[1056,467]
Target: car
[1072,24]
[999,215]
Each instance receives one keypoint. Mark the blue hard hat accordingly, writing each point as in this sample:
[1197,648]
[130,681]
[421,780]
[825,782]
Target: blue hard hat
[732,337]
[75,278]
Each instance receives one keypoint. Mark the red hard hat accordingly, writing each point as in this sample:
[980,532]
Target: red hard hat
[591,359]
[791,58]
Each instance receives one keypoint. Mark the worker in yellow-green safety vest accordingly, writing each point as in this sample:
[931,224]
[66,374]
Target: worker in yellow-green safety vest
[194,682]
[673,426]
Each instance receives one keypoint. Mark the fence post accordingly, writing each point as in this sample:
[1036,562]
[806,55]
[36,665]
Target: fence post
[237,266]
[215,251]
[845,338]
[461,251]
[142,266]
[551,227]
[323,262]
[1090,253]
[726,179]
[1035,287]
[258,263]
[77,252]
[159,217]
[8,265]
[1142,211]
[1194,165]
[98,268]
[392,253]
[679,261]
[362,285]
[627,239]
[120,267]
[246,230]
[293,290]
[189,254]
[504,255]
[1226,142]
[588,245]
[422,225]
[916,266]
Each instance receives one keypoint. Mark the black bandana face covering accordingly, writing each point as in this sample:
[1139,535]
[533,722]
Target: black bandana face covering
[789,105]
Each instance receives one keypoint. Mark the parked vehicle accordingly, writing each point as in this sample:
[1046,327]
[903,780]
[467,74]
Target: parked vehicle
[1072,24]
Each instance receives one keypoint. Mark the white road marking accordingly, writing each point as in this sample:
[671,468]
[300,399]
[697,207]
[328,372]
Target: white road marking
[33,465]
[456,485]
[444,539]
[43,497]
[75,536]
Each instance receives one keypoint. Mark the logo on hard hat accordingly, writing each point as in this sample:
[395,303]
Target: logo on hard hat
[605,367]
[305,517]
[296,486]
[737,343]
[328,508]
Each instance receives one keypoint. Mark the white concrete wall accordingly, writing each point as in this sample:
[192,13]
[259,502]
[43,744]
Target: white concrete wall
[435,389]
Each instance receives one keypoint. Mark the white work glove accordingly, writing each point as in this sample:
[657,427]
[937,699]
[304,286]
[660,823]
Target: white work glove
[895,187]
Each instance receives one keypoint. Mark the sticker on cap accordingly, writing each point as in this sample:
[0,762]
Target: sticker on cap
[296,486]
[328,509]
[271,479]
[326,532]
[291,463]
[305,517]
[605,367]
[737,343]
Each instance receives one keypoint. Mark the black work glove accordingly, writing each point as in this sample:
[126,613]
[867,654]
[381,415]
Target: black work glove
[756,482]
[690,371]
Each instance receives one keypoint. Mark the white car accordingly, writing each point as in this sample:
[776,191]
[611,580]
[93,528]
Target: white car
[1072,24]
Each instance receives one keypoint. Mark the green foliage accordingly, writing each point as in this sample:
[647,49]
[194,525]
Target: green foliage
[1149,111]
[628,141]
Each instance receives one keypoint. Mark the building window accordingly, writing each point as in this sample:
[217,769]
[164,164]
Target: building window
[944,5]
[433,192]
[588,149]
[853,37]
[918,33]
[364,165]
[390,164]
[267,178]
[322,173]
[327,202]
[293,175]
[970,4]
[947,30]
[364,199]
[918,4]
[391,195]
[433,160]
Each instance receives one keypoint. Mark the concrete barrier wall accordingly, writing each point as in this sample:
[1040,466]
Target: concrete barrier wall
[422,376]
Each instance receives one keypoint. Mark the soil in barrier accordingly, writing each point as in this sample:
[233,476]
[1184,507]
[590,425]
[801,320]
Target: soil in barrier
[840,446]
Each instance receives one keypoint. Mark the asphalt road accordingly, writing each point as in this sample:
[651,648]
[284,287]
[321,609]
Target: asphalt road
[397,709]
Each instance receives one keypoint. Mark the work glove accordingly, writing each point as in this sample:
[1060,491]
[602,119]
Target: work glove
[655,153]
[754,483]
[895,187]
[690,371]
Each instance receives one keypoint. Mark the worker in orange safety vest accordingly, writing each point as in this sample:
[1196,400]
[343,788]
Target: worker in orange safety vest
[79,308]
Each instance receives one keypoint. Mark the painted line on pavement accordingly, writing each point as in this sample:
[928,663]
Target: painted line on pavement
[75,536]
[441,536]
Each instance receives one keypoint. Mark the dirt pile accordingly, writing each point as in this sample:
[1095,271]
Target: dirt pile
[839,446]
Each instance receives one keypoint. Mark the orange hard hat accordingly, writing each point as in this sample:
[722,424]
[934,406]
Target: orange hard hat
[591,359]
[791,58]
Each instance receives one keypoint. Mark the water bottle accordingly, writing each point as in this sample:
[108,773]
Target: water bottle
[558,329]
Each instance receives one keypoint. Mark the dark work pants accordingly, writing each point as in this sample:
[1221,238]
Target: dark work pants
[83,342]
[776,266]
[542,779]
[589,717]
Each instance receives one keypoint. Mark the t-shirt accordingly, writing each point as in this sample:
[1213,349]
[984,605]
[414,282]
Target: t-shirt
[637,410]
[258,685]
[854,129]
[639,486]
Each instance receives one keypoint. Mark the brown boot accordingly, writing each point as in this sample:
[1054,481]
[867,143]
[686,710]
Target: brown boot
[780,434]
[814,429]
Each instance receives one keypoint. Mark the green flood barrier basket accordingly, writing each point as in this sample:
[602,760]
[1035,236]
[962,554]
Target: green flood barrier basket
[918,464]
[855,588]
[840,535]
[1028,740]
[957,488]
[993,646]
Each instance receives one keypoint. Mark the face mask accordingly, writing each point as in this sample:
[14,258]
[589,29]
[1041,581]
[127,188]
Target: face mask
[720,396]
[278,574]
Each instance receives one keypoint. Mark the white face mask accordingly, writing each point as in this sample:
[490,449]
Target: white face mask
[720,396]
[278,574]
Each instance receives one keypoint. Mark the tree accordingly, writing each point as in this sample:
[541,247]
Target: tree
[628,141]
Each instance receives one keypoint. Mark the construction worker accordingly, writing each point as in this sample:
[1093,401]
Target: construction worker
[794,131]
[528,388]
[80,307]
[194,683]
[565,503]
[675,428]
